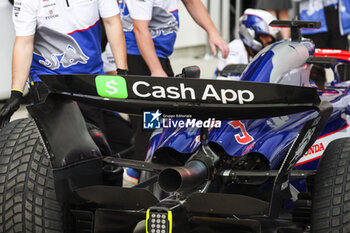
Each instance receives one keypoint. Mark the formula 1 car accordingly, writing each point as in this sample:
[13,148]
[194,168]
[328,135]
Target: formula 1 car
[268,153]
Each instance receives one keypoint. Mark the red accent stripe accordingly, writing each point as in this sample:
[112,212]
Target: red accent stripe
[326,135]
[131,177]
[307,161]
[336,53]
[81,30]
[174,11]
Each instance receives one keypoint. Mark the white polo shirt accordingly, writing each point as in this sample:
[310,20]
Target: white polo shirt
[164,23]
[67,33]
[238,55]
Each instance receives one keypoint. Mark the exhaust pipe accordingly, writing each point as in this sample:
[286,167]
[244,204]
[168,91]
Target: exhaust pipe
[193,174]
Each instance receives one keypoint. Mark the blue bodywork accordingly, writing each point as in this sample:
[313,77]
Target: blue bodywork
[283,62]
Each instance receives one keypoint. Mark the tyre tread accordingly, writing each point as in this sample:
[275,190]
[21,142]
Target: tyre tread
[27,194]
[331,198]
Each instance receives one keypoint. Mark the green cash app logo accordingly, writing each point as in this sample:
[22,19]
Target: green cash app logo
[111,86]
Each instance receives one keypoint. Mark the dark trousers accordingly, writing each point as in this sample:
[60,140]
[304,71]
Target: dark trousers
[137,66]
[331,39]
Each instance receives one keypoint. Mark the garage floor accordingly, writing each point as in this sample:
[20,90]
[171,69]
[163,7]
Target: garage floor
[178,62]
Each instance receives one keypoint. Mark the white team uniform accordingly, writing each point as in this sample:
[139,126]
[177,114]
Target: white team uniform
[164,24]
[108,60]
[238,55]
[67,33]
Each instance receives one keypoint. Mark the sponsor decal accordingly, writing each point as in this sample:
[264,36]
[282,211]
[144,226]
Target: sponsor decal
[317,149]
[143,89]
[156,120]
[337,53]
[325,51]
[51,16]
[111,86]
[49,4]
[185,91]
[16,8]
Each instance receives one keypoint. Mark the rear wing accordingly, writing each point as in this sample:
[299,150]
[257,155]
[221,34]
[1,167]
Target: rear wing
[201,98]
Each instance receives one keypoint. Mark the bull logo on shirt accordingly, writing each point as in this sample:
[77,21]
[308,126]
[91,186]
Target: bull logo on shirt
[162,22]
[57,49]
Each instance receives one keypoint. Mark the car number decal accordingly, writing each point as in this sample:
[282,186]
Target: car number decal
[244,137]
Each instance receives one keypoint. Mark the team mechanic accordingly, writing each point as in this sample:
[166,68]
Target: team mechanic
[62,37]
[150,28]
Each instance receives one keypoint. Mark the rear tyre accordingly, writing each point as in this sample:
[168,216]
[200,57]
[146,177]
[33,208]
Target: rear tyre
[331,194]
[27,192]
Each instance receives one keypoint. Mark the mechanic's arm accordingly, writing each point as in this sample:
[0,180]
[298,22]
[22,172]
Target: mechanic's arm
[200,14]
[21,61]
[146,46]
[116,39]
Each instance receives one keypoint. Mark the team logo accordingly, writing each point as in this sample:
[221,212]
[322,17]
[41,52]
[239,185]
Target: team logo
[152,120]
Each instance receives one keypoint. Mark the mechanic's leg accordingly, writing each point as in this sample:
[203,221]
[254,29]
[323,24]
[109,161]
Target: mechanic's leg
[118,131]
[167,67]
[284,15]
[140,138]
[320,39]
[336,40]
[137,66]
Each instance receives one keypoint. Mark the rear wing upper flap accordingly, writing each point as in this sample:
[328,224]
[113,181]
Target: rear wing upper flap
[295,23]
[295,26]
[326,62]
[201,98]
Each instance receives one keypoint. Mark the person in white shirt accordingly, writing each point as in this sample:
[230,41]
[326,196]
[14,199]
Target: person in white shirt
[150,29]
[61,37]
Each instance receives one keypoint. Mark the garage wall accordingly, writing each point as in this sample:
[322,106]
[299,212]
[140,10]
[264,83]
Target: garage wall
[7,38]
[190,34]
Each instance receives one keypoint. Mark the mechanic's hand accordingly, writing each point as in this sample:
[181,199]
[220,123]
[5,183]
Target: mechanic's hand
[122,72]
[159,73]
[215,40]
[10,107]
